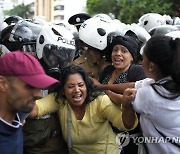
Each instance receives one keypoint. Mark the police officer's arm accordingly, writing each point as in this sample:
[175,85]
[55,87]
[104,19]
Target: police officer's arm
[117,88]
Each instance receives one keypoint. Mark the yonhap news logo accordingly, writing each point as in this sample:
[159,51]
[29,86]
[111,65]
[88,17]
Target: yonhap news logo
[123,139]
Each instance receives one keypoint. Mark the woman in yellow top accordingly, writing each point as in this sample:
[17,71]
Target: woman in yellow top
[84,114]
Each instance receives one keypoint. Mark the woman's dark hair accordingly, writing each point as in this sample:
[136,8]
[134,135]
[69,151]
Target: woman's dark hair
[164,51]
[92,91]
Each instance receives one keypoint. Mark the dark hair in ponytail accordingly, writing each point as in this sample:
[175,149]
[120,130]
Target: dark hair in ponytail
[175,67]
[164,51]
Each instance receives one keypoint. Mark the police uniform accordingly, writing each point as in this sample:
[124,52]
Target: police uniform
[43,135]
[93,69]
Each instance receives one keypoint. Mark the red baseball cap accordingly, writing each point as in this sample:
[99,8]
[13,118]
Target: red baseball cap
[25,67]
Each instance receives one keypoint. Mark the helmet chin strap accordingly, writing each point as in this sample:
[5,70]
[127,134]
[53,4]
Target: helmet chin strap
[54,72]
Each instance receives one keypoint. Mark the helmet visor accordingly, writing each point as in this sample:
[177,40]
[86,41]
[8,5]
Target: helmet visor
[25,31]
[56,56]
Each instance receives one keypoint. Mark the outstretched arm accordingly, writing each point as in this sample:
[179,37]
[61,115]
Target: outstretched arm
[45,105]
[117,88]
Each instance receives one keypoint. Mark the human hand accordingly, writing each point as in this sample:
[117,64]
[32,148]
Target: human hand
[95,82]
[128,96]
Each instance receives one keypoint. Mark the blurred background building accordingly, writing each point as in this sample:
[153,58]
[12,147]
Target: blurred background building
[8,4]
[51,10]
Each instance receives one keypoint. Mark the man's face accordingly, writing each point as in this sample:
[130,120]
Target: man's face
[20,96]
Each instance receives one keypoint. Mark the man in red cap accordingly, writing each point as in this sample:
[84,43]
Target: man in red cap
[21,79]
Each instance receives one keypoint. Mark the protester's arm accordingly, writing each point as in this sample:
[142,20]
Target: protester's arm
[128,113]
[108,109]
[115,98]
[34,113]
[117,88]
[46,105]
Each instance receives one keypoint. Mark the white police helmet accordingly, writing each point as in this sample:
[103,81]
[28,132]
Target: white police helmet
[41,20]
[103,16]
[162,30]
[176,21]
[1,15]
[24,31]
[20,36]
[169,20]
[150,20]
[2,23]
[93,32]
[178,26]
[174,34]
[56,46]
[141,34]
[119,26]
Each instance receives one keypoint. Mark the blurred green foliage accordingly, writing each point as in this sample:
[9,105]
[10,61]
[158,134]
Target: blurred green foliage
[21,10]
[129,11]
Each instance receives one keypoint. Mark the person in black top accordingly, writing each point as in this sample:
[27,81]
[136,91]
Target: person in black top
[122,74]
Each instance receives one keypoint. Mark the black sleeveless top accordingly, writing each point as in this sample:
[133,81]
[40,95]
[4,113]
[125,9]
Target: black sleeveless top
[133,74]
